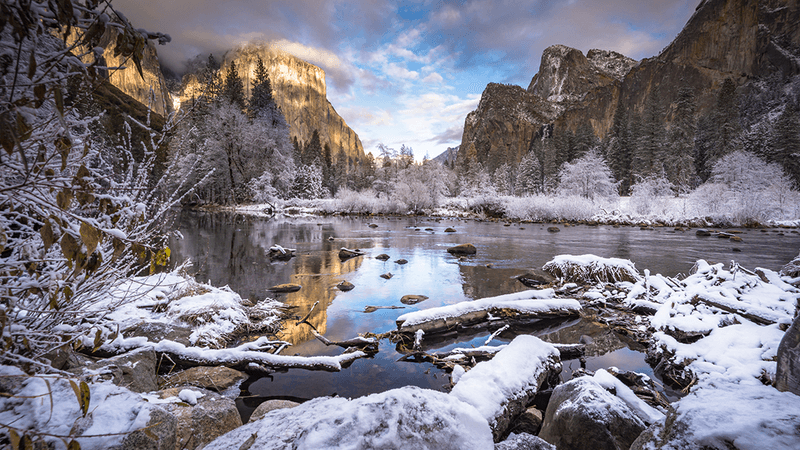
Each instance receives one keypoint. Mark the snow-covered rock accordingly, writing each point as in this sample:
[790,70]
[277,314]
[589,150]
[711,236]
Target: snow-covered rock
[592,269]
[135,370]
[787,377]
[202,415]
[501,388]
[582,414]
[723,415]
[403,418]
[116,418]
[523,441]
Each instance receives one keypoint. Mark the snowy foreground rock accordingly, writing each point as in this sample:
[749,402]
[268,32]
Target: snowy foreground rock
[402,418]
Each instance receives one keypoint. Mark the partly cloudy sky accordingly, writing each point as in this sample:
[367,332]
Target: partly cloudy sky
[409,72]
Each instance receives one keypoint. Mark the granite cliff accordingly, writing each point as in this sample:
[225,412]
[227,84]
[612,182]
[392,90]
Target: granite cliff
[300,92]
[744,40]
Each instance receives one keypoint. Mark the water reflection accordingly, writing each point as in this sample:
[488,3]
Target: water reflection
[233,250]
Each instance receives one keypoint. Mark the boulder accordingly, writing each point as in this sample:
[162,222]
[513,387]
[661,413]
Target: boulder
[462,249]
[412,299]
[702,232]
[530,422]
[157,434]
[158,331]
[387,275]
[581,414]
[270,405]
[212,416]
[449,230]
[553,229]
[535,278]
[345,286]
[373,225]
[346,253]
[401,261]
[721,415]
[792,270]
[383,257]
[523,441]
[218,379]
[135,370]
[403,418]
[286,287]
[787,377]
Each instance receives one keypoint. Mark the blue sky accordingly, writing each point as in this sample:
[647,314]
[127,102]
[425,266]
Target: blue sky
[409,72]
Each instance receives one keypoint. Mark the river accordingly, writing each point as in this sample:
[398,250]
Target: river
[230,249]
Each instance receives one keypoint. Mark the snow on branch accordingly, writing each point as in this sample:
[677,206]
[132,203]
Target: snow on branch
[592,269]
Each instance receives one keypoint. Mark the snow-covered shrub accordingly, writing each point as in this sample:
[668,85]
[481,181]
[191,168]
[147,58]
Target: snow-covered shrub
[591,269]
[588,177]
[415,195]
[709,199]
[652,194]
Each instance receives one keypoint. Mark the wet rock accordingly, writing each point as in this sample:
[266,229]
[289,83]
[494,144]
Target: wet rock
[792,270]
[135,370]
[702,232]
[217,379]
[462,249]
[581,415]
[530,421]
[346,253]
[212,416]
[331,238]
[286,287]
[523,441]
[787,377]
[401,261]
[270,405]
[387,275]
[735,238]
[535,278]
[383,257]
[428,229]
[412,299]
[553,229]
[449,230]
[345,286]
[373,225]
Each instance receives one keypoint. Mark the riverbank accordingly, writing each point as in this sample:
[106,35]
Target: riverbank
[673,212]
[714,333]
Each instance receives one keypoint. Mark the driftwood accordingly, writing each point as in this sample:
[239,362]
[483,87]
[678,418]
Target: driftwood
[731,308]
[369,345]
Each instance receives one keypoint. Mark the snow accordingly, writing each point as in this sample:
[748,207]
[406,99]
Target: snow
[458,372]
[112,409]
[747,416]
[189,396]
[408,417]
[592,269]
[530,301]
[513,371]
[647,413]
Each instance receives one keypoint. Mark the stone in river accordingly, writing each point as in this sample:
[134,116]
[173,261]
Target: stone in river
[401,261]
[345,286]
[382,257]
[387,275]
[462,249]
[286,287]
[412,299]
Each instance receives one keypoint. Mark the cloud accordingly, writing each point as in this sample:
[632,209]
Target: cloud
[433,78]
[448,136]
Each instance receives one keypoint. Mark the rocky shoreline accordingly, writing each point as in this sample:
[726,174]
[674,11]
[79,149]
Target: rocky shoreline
[179,396]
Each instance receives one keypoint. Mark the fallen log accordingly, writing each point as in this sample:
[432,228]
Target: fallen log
[243,357]
[369,345]
[519,306]
[760,316]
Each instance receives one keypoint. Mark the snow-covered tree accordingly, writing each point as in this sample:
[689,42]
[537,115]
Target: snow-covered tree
[651,194]
[308,182]
[679,164]
[528,180]
[588,177]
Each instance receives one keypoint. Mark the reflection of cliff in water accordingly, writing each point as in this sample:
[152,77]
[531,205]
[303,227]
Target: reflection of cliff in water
[480,281]
[230,249]
[318,273]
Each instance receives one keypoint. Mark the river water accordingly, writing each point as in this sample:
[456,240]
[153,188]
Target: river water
[229,249]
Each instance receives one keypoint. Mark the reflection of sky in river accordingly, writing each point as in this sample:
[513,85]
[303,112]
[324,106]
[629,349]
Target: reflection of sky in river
[233,250]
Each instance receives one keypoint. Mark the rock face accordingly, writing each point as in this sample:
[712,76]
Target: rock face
[300,91]
[581,414]
[787,377]
[738,39]
[130,82]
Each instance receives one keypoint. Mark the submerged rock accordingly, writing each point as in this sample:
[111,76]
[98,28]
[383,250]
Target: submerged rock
[345,286]
[346,253]
[401,261]
[387,275]
[412,299]
[582,415]
[535,278]
[383,257]
[462,249]
[286,287]
[553,229]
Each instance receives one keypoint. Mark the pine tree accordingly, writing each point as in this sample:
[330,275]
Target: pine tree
[312,152]
[785,143]
[619,149]
[233,90]
[679,165]
[583,141]
[650,154]
[529,180]
[261,99]
[725,118]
